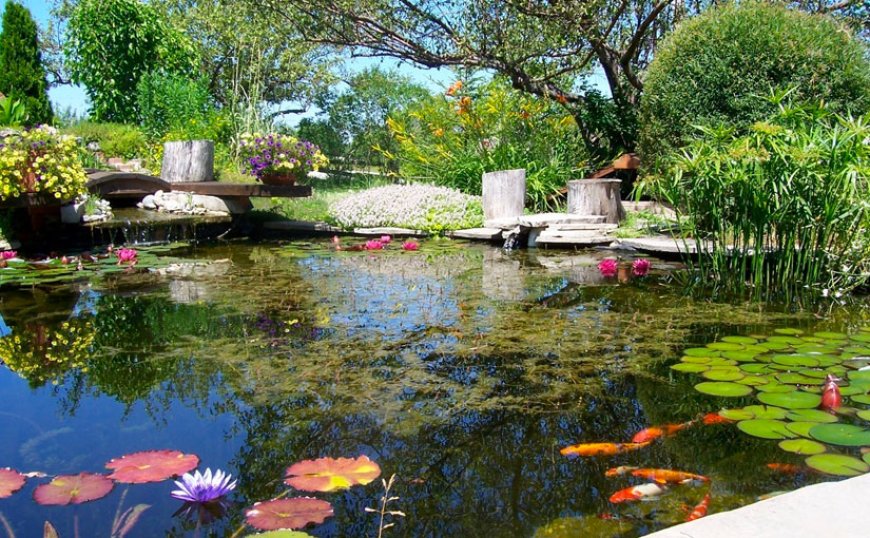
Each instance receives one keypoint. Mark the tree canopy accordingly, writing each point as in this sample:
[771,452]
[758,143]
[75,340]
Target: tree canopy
[22,76]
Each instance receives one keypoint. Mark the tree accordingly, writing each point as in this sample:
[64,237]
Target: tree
[320,132]
[22,76]
[112,43]
[542,47]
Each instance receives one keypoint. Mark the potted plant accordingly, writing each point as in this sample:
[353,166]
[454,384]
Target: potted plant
[40,160]
[277,159]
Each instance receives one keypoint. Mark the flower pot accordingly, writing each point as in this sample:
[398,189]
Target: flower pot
[282,178]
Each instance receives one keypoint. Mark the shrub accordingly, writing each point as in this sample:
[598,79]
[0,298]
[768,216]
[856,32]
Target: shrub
[453,139]
[418,207]
[175,103]
[782,207]
[40,160]
[13,113]
[114,139]
[713,68]
[23,75]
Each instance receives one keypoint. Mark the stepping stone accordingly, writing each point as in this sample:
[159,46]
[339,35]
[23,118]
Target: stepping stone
[661,245]
[543,220]
[603,227]
[389,230]
[579,238]
[481,234]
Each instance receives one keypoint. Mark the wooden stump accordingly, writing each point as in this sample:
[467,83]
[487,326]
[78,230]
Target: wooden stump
[596,197]
[188,161]
[504,194]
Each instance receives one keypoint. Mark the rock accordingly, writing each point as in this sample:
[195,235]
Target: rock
[148,202]
[93,146]
[482,234]
[188,203]
[318,175]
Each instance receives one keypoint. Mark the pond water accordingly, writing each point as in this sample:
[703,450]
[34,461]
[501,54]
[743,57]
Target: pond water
[459,368]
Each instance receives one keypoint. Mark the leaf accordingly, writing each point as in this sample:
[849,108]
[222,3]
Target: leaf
[723,388]
[73,489]
[329,474]
[841,434]
[766,429]
[837,464]
[802,446]
[151,466]
[10,482]
[293,513]
[791,400]
[48,531]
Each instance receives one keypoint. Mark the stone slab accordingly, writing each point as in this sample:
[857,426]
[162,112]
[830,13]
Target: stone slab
[388,230]
[661,244]
[481,234]
[826,510]
[544,220]
[504,224]
[580,238]
[300,226]
[602,227]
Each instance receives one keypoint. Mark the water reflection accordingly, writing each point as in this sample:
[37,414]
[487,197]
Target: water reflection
[461,369]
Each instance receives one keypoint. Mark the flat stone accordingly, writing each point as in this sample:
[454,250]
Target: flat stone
[482,234]
[822,510]
[388,230]
[580,238]
[543,220]
[504,224]
[661,244]
[301,226]
[603,227]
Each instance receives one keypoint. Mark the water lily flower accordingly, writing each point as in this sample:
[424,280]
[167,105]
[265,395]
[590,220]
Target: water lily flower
[374,244]
[640,267]
[126,255]
[203,488]
[386,239]
[8,254]
[608,267]
[410,245]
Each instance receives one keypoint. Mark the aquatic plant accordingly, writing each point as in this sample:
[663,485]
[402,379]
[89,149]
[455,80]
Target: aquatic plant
[608,267]
[8,254]
[126,255]
[73,489]
[410,245]
[330,474]
[373,244]
[418,207]
[203,487]
[151,466]
[10,482]
[640,267]
[386,499]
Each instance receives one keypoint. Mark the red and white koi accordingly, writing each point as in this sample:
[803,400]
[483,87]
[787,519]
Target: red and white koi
[700,509]
[643,492]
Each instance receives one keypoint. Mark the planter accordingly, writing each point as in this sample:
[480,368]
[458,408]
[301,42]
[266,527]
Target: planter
[596,197]
[286,179]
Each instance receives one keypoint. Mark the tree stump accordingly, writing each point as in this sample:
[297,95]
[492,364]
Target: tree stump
[596,197]
[188,161]
[504,194]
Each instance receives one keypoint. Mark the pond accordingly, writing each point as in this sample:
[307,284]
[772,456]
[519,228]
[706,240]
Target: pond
[461,369]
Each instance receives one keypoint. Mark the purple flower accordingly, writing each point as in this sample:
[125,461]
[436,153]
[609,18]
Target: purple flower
[203,488]
[640,267]
[608,267]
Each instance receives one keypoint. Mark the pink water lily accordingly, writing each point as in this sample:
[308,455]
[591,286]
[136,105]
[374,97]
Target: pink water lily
[410,245]
[8,254]
[386,239]
[374,244]
[126,255]
[608,267]
[640,267]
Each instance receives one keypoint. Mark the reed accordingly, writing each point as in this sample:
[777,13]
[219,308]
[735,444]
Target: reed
[781,207]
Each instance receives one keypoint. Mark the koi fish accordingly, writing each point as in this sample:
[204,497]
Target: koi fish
[700,509]
[667,476]
[715,418]
[637,493]
[619,471]
[831,398]
[787,468]
[600,449]
[654,432]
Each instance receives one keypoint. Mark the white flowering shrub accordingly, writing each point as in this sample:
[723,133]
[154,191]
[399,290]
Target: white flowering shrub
[418,207]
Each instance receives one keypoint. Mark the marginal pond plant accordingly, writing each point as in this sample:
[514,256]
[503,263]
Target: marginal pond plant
[780,207]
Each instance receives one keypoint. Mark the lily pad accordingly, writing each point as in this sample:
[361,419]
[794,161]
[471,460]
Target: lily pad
[151,466]
[10,482]
[788,331]
[864,414]
[861,398]
[791,400]
[827,335]
[293,513]
[696,360]
[723,374]
[811,415]
[330,474]
[775,386]
[766,429]
[841,434]
[737,414]
[766,411]
[804,447]
[726,346]
[774,346]
[690,368]
[864,338]
[753,380]
[723,388]
[739,340]
[73,489]
[796,379]
[784,339]
[740,356]
[838,464]
[802,428]
[806,361]
[754,368]
[700,352]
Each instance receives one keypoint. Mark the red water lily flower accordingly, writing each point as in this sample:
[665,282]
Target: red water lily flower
[640,267]
[608,267]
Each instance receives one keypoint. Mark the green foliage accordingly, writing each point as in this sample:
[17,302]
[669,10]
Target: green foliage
[12,112]
[172,102]
[712,69]
[111,44]
[23,75]
[782,207]
[322,133]
[115,139]
[452,140]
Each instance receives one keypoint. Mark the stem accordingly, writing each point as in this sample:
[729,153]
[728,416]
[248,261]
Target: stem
[9,532]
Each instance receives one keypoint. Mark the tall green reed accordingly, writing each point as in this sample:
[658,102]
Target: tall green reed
[780,208]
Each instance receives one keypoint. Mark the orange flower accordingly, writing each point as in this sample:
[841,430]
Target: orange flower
[438,132]
[454,88]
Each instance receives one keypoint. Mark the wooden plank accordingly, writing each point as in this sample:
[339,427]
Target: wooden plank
[213,188]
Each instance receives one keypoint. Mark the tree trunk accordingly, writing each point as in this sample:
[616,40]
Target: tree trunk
[596,197]
[504,194]
[189,161]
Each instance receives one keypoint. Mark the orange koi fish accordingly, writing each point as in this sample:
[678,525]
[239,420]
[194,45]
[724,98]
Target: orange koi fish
[637,493]
[600,449]
[619,471]
[787,468]
[715,418]
[667,476]
[700,509]
[654,432]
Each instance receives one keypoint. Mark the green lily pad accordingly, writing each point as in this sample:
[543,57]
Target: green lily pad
[796,379]
[740,356]
[774,346]
[690,368]
[838,464]
[700,352]
[754,368]
[739,340]
[802,446]
[811,415]
[725,346]
[854,389]
[791,400]
[806,361]
[723,388]
[753,380]
[859,375]
[766,412]
[719,361]
[788,340]
[802,428]
[841,434]
[766,429]
[696,360]
[814,373]
[861,398]
[780,367]
[864,338]
[757,349]
[736,414]
[864,414]
[788,331]
[827,335]
[775,386]
[723,374]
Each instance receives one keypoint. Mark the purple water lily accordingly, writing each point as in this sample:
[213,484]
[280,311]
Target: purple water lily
[203,488]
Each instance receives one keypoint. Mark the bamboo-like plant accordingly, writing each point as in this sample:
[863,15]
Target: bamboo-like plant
[781,207]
